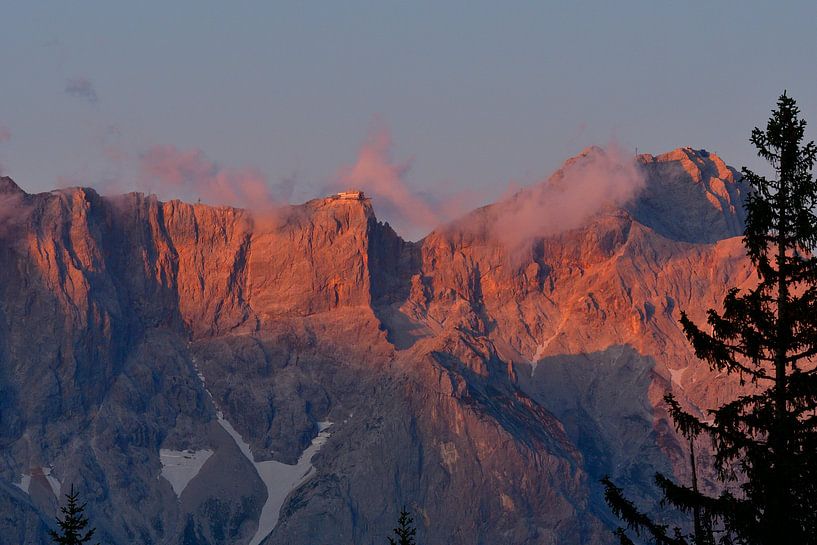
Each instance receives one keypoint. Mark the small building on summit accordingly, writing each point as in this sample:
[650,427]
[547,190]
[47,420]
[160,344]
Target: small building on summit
[351,195]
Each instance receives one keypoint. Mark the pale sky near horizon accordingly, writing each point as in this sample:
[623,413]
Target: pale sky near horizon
[475,95]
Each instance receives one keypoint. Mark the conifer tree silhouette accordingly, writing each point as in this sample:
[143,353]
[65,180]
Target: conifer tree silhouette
[73,524]
[405,530]
[765,441]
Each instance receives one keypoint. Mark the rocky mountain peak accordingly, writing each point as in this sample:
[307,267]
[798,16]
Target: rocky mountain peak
[9,187]
[588,156]
[345,203]
[698,163]
[690,195]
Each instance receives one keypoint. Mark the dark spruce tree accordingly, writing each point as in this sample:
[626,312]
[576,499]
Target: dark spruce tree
[73,524]
[405,530]
[764,442]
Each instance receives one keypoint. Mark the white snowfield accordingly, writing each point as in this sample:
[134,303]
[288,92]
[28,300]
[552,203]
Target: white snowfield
[25,480]
[56,486]
[25,483]
[279,478]
[675,375]
[179,467]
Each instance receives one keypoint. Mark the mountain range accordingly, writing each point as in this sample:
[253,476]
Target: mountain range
[214,375]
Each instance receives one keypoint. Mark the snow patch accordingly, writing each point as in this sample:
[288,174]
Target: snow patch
[179,467]
[55,485]
[540,351]
[675,375]
[25,483]
[239,441]
[280,479]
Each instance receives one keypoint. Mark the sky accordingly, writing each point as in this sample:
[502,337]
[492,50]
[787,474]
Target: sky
[255,102]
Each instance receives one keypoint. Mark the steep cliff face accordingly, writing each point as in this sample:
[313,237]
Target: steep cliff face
[179,362]
[588,318]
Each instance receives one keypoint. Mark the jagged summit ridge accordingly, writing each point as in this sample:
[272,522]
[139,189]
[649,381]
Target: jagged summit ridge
[684,195]
[691,195]
[688,194]
[693,160]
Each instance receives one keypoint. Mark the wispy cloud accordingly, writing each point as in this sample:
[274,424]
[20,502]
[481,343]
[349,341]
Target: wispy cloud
[595,179]
[385,180]
[171,172]
[82,88]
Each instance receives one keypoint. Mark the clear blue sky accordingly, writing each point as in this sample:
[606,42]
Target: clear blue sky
[476,94]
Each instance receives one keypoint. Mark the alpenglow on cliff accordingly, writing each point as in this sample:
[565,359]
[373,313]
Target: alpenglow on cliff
[206,376]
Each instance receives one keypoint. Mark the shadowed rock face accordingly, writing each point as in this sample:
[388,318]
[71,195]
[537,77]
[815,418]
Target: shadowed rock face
[485,391]
[692,196]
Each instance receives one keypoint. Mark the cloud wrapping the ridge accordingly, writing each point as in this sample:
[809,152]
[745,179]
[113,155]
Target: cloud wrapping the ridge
[82,88]
[383,179]
[594,180]
[189,174]
[584,186]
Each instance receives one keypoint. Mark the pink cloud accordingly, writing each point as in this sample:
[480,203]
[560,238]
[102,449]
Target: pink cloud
[189,174]
[596,179]
[385,180]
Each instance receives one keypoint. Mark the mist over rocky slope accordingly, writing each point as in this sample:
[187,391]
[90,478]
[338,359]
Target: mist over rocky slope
[189,368]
